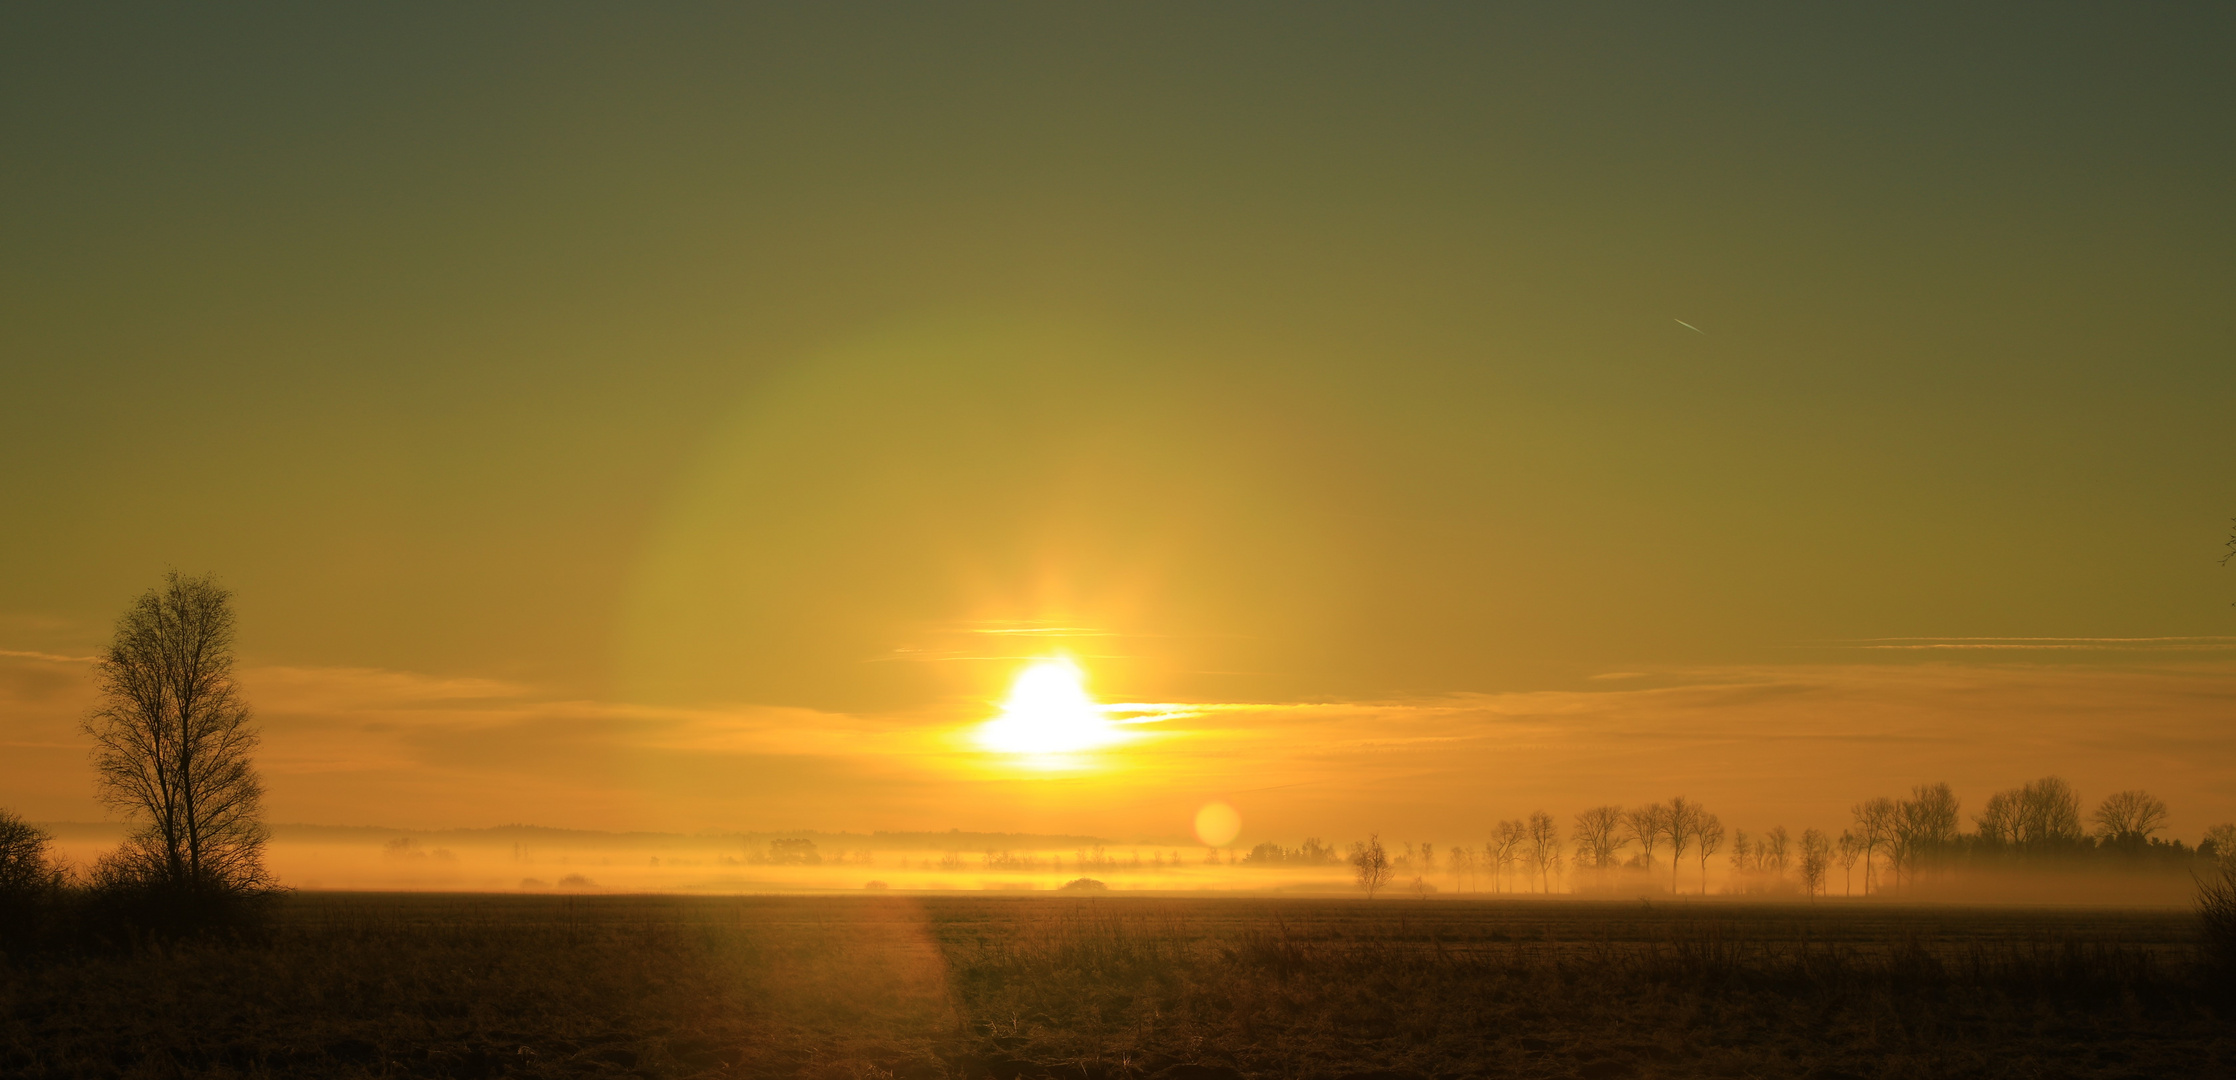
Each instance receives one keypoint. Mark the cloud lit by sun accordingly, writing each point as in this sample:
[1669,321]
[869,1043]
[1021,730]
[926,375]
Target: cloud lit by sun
[1049,713]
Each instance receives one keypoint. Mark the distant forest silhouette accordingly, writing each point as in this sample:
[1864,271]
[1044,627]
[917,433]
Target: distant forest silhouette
[1891,846]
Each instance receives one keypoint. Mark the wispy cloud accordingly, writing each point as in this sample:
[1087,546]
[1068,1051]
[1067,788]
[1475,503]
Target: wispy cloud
[1046,631]
[2190,643]
[55,658]
[968,641]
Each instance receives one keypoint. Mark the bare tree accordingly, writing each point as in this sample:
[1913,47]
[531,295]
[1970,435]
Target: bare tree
[1708,835]
[1370,865]
[2129,816]
[1742,859]
[1875,824]
[1463,868]
[1816,853]
[1771,853]
[29,877]
[1849,848]
[1677,828]
[1645,825]
[1506,846]
[1599,838]
[2223,839]
[2049,813]
[27,865]
[1544,848]
[172,740]
[1998,821]
[1925,825]
[2231,554]
[1936,814]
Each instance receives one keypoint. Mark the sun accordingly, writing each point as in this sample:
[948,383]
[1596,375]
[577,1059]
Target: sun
[1049,712]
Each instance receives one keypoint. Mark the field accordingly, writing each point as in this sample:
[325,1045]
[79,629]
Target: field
[342,984]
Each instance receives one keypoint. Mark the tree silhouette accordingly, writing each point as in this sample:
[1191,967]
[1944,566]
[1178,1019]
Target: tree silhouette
[2231,546]
[1506,846]
[1849,848]
[1599,838]
[26,865]
[171,745]
[1771,852]
[1370,865]
[1998,821]
[1925,824]
[1816,852]
[2129,817]
[1645,825]
[2223,839]
[2049,814]
[1875,824]
[1544,848]
[1708,834]
[1677,828]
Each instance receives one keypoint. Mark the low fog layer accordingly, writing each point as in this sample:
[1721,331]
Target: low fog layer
[529,859]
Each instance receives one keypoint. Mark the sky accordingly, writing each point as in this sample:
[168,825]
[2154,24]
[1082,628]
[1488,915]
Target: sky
[696,416]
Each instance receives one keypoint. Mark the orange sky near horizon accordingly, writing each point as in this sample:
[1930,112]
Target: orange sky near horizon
[1793,745]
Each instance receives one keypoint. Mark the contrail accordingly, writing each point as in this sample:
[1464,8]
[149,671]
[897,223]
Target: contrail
[1691,327]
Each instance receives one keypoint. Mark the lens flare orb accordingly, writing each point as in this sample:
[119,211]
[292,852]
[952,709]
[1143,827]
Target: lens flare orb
[1218,824]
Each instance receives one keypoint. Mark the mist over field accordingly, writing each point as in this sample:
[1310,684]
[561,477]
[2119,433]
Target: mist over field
[533,860]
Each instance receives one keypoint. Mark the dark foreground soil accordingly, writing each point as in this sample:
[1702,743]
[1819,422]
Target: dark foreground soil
[931,987]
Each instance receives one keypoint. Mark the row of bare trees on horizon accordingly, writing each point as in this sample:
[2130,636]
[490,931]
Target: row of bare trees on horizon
[1894,840]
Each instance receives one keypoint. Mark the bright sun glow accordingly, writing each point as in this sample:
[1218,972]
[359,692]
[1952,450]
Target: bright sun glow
[1049,712]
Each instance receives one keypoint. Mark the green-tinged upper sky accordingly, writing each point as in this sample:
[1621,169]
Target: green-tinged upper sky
[693,354]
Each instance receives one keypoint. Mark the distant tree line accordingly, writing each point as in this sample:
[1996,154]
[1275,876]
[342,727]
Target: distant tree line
[801,851]
[1891,844]
[2038,824]
[1312,852]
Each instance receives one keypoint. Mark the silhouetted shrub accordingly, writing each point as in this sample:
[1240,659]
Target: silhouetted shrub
[799,852]
[125,913]
[26,867]
[2216,910]
[31,885]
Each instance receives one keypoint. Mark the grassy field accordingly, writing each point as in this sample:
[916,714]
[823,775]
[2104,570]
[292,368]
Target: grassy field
[1187,989]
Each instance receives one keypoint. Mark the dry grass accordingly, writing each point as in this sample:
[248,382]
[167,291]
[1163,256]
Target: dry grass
[859,987]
